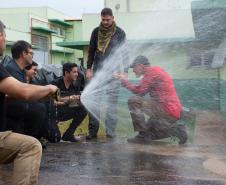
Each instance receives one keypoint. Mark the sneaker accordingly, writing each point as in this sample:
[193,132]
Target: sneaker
[69,138]
[91,137]
[181,134]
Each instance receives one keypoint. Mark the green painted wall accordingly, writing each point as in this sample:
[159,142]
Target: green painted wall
[78,30]
[38,11]
[89,22]
[207,4]
[223,73]
[223,90]
[55,39]
[70,32]
[34,17]
[14,30]
[57,58]
[43,12]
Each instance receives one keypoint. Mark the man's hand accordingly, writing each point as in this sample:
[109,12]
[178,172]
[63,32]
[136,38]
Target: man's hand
[59,103]
[74,101]
[120,76]
[89,74]
[74,98]
[52,94]
[52,88]
[67,100]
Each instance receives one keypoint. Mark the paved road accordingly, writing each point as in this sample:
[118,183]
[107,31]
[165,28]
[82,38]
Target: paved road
[107,162]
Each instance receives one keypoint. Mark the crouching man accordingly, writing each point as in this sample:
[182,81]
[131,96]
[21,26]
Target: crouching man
[24,151]
[163,107]
[69,106]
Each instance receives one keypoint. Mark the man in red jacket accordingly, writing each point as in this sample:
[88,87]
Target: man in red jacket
[163,107]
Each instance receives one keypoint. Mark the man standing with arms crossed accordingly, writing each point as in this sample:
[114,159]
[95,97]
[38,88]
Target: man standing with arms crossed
[24,151]
[105,39]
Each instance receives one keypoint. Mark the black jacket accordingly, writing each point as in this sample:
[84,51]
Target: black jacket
[96,58]
[3,74]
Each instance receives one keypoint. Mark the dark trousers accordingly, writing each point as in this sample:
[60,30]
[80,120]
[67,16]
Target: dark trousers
[111,111]
[159,125]
[26,117]
[63,113]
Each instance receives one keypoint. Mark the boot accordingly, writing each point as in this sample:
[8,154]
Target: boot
[69,136]
[91,137]
[179,131]
[141,138]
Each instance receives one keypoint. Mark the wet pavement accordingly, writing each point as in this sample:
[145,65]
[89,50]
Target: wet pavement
[107,162]
[116,162]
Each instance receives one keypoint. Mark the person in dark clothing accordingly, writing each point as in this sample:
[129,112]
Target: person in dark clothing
[163,107]
[24,151]
[105,39]
[31,72]
[69,106]
[31,116]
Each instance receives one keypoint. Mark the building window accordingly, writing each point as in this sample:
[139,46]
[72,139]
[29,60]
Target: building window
[59,30]
[201,59]
[40,41]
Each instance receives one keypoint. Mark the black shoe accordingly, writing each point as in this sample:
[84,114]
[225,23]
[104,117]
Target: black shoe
[181,134]
[43,143]
[70,138]
[140,139]
[91,137]
[110,136]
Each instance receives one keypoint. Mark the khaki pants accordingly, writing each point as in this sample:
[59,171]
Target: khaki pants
[25,152]
[139,106]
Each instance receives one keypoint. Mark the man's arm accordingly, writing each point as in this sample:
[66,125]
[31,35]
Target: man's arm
[91,53]
[65,100]
[92,48]
[16,89]
[141,89]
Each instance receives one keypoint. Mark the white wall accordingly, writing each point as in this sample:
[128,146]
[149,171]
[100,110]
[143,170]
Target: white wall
[147,5]
[170,24]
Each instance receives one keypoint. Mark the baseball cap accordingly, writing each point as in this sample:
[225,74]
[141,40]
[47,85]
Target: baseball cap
[140,60]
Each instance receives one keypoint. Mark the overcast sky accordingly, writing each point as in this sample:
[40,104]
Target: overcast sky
[74,8]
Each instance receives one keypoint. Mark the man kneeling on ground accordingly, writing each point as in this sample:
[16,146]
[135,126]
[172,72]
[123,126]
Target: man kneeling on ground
[69,105]
[163,107]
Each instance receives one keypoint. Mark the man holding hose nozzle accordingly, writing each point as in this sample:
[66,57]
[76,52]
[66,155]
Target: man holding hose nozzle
[24,151]
[69,104]
[31,117]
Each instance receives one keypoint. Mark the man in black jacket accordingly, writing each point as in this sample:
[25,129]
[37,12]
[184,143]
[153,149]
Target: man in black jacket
[105,39]
[31,117]
[69,105]
[24,151]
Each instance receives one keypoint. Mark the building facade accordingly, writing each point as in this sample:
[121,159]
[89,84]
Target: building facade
[185,37]
[43,27]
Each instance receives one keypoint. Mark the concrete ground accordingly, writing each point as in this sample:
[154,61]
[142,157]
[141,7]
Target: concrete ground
[115,162]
